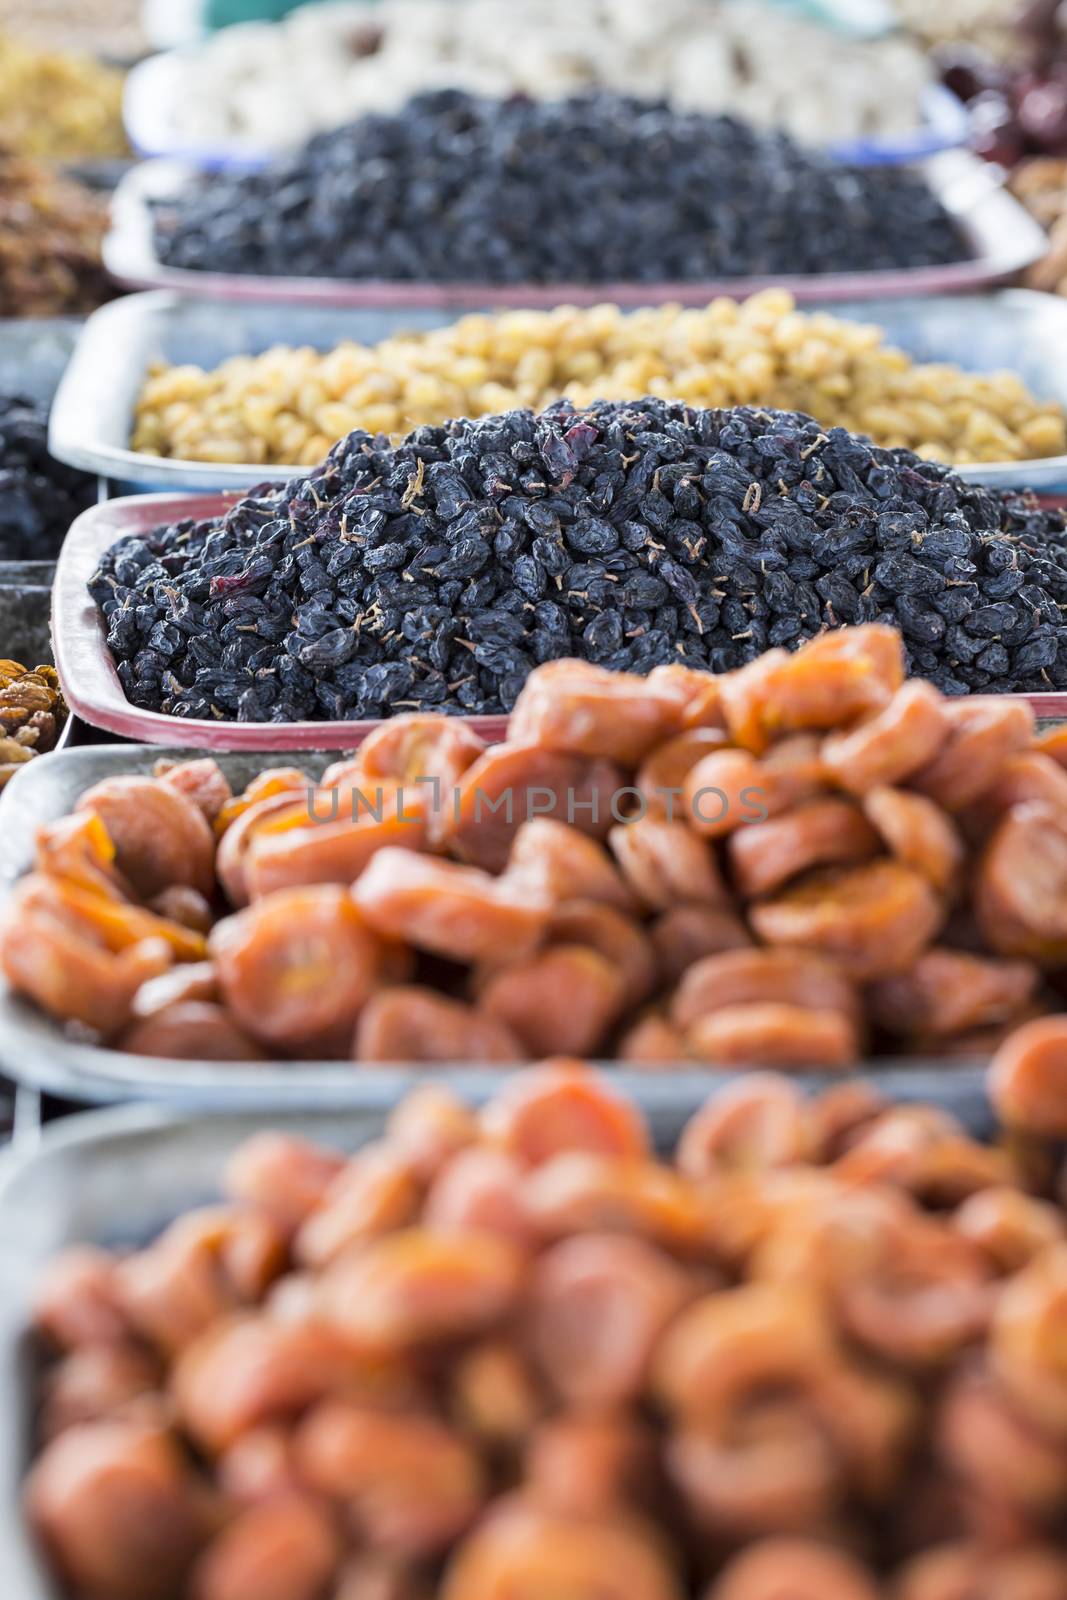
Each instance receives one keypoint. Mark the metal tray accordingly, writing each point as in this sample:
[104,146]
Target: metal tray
[1002,236]
[154,85]
[92,416]
[36,1051]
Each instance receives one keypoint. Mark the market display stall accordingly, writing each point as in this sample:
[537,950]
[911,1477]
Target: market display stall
[563,808]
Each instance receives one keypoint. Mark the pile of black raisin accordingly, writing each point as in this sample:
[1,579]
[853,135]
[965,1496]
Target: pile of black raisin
[39,497]
[594,189]
[437,573]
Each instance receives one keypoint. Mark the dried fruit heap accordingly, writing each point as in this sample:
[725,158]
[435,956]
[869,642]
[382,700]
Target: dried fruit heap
[56,105]
[596,189]
[802,863]
[437,573]
[817,1355]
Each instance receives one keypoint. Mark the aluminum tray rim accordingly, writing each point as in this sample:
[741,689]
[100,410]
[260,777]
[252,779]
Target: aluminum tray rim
[113,327]
[1005,239]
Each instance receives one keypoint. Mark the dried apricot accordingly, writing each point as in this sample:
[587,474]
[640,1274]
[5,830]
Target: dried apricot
[918,833]
[513,782]
[160,836]
[407,1023]
[495,1394]
[661,776]
[741,1343]
[190,1030]
[69,974]
[580,1191]
[258,1465]
[563,1106]
[562,1001]
[750,1126]
[754,976]
[429,1126]
[285,1549]
[599,1304]
[794,1569]
[773,1035]
[621,941]
[581,709]
[984,732]
[480,1189]
[419,752]
[818,833]
[975,1572]
[592,1462]
[281,856]
[95,1382]
[687,934]
[421,1285]
[201,780]
[949,991]
[249,1369]
[558,863]
[1010,1226]
[112,1502]
[665,862]
[524,1549]
[410,1485]
[982,1439]
[889,746]
[376,1192]
[1020,895]
[236,841]
[771,1471]
[872,920]
[828,683]
[76,1300]
[723,792]
[282,1174]
[458,912]
[1028,1078]
[297,968]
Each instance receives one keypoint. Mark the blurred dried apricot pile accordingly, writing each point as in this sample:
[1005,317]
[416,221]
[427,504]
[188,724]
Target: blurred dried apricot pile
[802,863]
[514,1355]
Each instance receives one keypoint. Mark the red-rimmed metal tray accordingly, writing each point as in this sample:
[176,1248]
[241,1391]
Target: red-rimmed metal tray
[95,694]
[86,669]
[1001,235]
